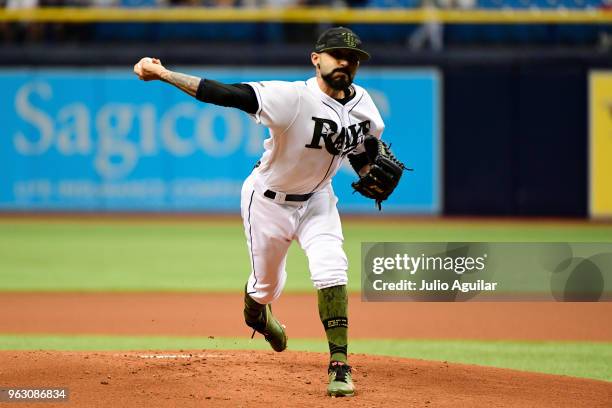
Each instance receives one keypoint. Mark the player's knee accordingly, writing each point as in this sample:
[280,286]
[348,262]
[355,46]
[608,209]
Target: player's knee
[328,265]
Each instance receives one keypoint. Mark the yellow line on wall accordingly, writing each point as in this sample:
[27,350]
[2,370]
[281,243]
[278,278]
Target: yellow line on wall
[304,15]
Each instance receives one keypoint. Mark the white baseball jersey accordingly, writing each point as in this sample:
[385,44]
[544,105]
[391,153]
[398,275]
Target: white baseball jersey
[310,133]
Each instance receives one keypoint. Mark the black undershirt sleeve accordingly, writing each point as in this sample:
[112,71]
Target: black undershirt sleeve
[241,96]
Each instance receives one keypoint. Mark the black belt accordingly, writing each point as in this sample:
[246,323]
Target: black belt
[289,197]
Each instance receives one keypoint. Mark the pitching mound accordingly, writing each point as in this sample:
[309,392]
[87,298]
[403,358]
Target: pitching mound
[265,379]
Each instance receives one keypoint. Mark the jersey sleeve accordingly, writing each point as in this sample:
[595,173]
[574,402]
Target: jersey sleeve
[377,125]
[279,103]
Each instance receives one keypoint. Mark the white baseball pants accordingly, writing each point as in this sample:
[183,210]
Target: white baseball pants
[270,227]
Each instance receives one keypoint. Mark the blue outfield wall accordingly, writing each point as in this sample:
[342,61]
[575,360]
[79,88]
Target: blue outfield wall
[100,140]
[519,144]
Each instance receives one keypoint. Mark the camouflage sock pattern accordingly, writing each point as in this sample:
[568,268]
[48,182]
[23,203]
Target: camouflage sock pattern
[333,304]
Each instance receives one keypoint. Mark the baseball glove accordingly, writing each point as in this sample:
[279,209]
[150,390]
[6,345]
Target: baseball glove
[384,173]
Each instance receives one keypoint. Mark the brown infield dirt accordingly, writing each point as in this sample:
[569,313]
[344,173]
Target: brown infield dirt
[261,378]
[288,379]
[220,314]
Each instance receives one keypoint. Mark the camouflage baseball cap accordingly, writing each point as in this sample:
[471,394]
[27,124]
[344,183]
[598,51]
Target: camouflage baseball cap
[341,38]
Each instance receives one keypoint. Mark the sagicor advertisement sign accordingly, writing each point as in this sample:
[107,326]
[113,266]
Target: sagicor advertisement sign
[101,140]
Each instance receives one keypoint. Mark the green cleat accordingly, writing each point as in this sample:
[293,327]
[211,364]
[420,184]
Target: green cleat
[261,320]
[340,380]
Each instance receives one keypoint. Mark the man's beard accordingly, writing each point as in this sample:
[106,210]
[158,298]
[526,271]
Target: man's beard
[338,83]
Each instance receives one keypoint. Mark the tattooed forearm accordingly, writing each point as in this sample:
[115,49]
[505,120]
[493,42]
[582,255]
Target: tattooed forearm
[186,83]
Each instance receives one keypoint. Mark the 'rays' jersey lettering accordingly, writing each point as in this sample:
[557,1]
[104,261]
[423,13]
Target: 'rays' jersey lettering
[338,143]
[310,133]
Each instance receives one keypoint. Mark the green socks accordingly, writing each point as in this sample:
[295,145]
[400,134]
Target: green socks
[333,304]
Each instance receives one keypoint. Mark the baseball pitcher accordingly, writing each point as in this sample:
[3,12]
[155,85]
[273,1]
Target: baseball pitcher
[313,126]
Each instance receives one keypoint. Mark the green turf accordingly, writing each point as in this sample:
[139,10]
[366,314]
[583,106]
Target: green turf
[576,359]
[208,256]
